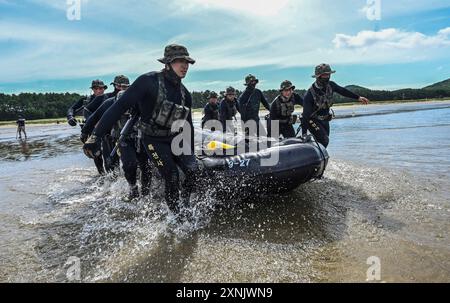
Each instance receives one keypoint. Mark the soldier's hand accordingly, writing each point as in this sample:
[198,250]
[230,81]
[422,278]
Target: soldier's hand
[363,100]
[92,147]
[72,121]
[84,137]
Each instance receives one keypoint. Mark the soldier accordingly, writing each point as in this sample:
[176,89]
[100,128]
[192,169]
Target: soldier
[249,103]
[161,99]
[98,89]
[211,110]
[228,110]
[21,127]
[319,100]
[283,107]
[130,153]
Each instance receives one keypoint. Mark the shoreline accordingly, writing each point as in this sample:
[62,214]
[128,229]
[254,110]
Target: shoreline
[197,113]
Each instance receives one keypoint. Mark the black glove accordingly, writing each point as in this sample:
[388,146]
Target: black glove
[92,147]
[72,121]
[84,137]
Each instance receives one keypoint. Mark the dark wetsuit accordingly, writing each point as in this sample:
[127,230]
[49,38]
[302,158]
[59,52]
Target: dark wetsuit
[211,113]
[92,106]
[21,127]
[143,95]
[249,103]
[282,111]
[79,106]
[227,112]
[129,155]
[318,119]
[88,105]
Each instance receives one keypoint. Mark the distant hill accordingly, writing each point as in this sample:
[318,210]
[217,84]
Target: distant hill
[437,90]
[440,85]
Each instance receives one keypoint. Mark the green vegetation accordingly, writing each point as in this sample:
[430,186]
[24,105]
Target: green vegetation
[52,106]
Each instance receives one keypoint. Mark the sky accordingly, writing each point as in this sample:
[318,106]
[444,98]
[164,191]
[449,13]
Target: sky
[62,45]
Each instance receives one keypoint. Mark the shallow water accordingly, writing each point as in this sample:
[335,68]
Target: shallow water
[385,194]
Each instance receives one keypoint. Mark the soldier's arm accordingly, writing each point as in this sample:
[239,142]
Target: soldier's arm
[264,101]
[189,120]
[72,111]
[208,112]
[343,91]
[136,93]
[95,104]
[308,103]
[96,116]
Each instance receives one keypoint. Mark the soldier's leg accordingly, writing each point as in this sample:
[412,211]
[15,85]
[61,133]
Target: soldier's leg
[107,146]
[190,168]
[160,154]
[146,172]
[129,165]
[319,132]
[99,164]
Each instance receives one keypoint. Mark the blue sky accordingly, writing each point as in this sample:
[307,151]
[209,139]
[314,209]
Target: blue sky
[41,50]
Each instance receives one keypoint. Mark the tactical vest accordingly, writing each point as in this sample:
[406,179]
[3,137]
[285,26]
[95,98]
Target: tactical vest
[232,109]
[322,101]
[215,111]
[286,107]
[165,112]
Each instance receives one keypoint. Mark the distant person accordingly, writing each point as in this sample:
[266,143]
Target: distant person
[319,100]
[21,127]
[211,111]
[227,110]
[282,109]
[249,103]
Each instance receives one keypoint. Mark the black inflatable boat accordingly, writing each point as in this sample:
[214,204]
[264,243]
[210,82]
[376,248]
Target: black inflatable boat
[281,167]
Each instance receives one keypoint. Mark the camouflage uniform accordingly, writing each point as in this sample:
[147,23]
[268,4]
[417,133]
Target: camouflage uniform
[228,110]
[282,110]
[318,102]
[211,110]
[249,102]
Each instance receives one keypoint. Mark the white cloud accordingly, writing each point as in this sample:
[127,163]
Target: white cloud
[219,34]
[392,38]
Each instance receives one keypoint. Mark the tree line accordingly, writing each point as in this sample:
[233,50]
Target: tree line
[34,106]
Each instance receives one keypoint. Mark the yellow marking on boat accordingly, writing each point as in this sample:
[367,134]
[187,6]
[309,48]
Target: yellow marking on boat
[214,145]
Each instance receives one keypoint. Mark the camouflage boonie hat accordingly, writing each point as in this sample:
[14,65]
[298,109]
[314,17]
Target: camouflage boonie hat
[98,83]
[286,85]
[230,91]
[213,95]
[323,69]
[250,78]
[175,51]
[121,80]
